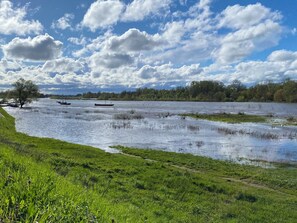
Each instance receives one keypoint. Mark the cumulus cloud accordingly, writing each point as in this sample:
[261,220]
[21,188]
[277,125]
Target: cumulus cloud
[282,56]
[102,14]
[174,31]
[278,66]
[78,41]
[110,60]
[258,71]
[92,45]
[64,65]
[12,20]
[238,45]
[63,22]
[255,28]
[201,6]
[238,17]
[134,40]
[140,9]
[192,36]
[167,72]
[7,65]
[39,48]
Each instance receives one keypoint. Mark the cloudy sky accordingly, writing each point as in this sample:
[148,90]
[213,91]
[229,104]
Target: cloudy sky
[111,45]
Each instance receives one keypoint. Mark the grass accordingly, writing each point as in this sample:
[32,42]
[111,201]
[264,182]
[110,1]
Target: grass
[291,121]
[229,118]
[47,180]
[266,135]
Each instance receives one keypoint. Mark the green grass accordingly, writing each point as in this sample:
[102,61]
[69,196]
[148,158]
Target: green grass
[230,118]
[47,180]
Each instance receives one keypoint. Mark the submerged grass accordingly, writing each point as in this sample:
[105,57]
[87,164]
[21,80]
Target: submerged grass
[291,121]
[260,135]
[227,117]
[47,180]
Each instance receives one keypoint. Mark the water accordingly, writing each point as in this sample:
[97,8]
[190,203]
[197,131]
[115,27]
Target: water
[156,125]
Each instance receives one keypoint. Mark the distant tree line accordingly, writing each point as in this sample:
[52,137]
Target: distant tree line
[199,91]
[209,91]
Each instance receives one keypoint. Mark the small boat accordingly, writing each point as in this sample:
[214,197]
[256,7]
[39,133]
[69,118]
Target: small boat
[104,105]
[63,103]
[14,105]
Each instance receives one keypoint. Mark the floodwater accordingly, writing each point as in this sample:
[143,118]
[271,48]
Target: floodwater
[157,125]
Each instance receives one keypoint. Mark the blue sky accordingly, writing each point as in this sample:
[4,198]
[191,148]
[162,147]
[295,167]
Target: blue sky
[113,45]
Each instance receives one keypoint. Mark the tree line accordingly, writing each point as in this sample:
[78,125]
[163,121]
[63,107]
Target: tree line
[208,90]
[213,91]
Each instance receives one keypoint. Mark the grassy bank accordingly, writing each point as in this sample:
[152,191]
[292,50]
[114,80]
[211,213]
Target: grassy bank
[48,180]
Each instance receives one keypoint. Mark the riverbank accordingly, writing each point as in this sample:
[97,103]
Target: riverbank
[46,180]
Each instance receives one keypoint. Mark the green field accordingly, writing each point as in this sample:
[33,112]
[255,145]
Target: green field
[47,180]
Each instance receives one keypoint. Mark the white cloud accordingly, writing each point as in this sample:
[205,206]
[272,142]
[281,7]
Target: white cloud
[63,22]
[192,36]
[240,44]
[279,66]
[78,41]
[123,74]
[12,20]
[6,65]
[133,40]
[167,72]
[109,60]
[40,48]
[91,46]
[140,9]
[64,65]
[102,14]
[282,56]
[257,71]
[203,5]
[238,17]
[174,31]
[255,28]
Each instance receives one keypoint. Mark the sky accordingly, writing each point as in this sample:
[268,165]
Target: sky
[69,47]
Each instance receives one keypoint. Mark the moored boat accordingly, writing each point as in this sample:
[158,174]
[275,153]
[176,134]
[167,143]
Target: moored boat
[63,103]
[104,105]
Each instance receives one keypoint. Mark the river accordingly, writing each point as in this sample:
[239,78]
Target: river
[157,125]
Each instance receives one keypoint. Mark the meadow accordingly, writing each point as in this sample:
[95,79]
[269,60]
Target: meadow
[47,180]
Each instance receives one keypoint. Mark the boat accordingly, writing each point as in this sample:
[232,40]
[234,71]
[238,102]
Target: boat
[63,103]
[104,105]
[14,105]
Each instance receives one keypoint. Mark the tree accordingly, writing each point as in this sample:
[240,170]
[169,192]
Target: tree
[24,91]
[279,96]
[290,91]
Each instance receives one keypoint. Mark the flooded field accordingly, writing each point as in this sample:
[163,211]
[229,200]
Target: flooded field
[157,125]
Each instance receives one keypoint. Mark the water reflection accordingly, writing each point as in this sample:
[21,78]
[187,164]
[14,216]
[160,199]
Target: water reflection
[156,125]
